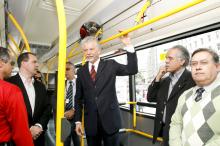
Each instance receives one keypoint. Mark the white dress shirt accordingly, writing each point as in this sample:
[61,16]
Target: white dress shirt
[28,84]
[96,64]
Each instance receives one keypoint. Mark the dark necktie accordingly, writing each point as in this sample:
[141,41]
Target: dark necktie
[93,73]
[69,97]
[199,94]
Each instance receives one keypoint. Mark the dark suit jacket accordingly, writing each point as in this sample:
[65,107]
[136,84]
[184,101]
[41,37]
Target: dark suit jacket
[158,92]
[101,96]
[42,109]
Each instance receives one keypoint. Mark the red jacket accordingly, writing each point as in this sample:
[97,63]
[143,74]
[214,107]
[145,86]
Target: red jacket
[13,116]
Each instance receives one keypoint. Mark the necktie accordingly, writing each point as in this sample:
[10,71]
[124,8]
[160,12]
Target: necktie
[69,97]
[93,73]
[199,94]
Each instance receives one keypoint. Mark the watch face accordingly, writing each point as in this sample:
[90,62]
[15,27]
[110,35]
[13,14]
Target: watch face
[91,29]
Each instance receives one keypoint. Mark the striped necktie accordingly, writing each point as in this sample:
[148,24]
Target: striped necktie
[199,94]
[69,97]
[93,73]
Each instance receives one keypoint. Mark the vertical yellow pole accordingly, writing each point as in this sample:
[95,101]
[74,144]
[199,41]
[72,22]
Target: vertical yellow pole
[61,69]
[134,116]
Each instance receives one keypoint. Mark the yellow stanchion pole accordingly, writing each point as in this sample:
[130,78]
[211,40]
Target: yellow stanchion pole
[13,41]
[11,17]
[164,15]
[134,112]
[134,116]
[61,68]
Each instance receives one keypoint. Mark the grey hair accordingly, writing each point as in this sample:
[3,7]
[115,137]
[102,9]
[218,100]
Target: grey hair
[4,54]
[184,54]
[90,39]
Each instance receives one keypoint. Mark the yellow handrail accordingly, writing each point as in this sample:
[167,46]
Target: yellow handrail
[164,15]
[142,133]
[155,19]
[14,42]
[11,49]
[11,17]
[75,45]
[61,68]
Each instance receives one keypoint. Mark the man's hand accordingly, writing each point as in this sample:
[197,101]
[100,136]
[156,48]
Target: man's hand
[161,73]
[125,39]
[69,114]
[36,131]
[79,130]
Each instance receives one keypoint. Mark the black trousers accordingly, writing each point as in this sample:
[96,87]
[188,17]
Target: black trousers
[103,137]
[73,136]
[163,134]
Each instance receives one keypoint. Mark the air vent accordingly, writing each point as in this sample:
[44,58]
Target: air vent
[72,7]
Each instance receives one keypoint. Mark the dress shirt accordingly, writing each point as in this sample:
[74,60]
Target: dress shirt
[96,64]
[74,88]
[129,48]
[174,79]
[29,89]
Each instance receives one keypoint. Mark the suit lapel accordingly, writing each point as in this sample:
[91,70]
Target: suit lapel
[26,98]
[180,84]
[100,69]
[37,100]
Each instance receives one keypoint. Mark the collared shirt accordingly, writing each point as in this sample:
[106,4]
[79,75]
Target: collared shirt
[208,88]
[74,88]
[28,84]
[96,64]
[174,79]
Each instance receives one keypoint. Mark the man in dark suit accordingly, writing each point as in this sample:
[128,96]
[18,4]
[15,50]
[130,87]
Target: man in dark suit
[165,91]
[69,104]
[35,96]
[96,90]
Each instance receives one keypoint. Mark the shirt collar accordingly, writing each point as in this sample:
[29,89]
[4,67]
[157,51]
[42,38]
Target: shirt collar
[211,86]
[96,64]
[73,81]
[25,79]
[177,74]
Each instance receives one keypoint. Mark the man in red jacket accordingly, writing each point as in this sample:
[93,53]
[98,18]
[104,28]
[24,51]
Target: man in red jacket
[13,115]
